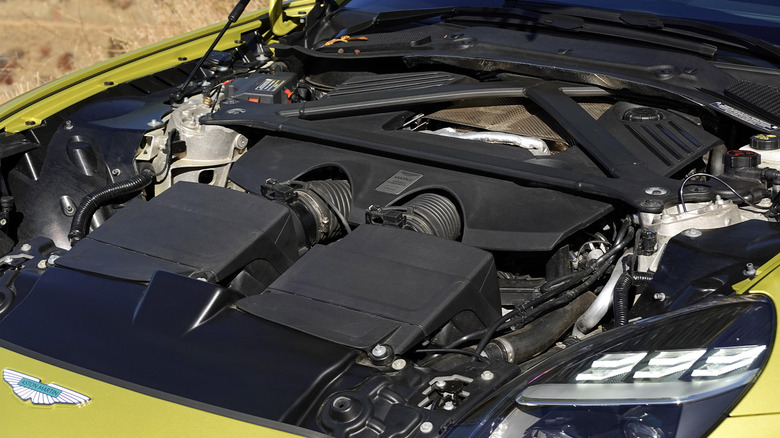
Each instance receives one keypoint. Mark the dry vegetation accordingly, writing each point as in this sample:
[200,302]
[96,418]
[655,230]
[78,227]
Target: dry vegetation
[41,40]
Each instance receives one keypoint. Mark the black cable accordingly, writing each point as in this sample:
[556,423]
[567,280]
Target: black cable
[624,236]
[685,181]
[454,351]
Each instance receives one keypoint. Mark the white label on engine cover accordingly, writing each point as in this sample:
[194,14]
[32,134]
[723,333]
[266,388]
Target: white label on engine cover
[745,117]
[398,182]
[269,85]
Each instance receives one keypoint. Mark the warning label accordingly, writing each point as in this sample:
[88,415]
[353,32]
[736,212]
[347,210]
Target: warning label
[399,182]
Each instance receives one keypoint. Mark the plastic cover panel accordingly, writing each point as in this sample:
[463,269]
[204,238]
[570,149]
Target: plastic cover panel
[189,228]
[381,285]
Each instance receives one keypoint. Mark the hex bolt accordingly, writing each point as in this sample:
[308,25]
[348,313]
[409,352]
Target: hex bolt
[657,191]
[487,375]
[749,272]
[441,384]
[448,406]
[426,427]
[26,247]
[399,364]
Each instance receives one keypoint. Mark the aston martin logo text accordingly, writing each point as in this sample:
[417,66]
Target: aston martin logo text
[31,388]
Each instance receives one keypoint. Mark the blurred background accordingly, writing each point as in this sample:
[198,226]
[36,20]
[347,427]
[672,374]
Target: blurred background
[41,40]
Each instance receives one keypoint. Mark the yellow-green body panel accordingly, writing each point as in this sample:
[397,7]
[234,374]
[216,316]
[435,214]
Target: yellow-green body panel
[30,109]
[112,411]
[758,413]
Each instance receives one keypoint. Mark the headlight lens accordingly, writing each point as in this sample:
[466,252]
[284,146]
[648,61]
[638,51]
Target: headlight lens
[677,374]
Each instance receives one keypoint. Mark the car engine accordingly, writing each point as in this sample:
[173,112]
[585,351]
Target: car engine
[353,219]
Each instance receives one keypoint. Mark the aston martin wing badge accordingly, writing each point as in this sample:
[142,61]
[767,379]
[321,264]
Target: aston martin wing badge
[31,388]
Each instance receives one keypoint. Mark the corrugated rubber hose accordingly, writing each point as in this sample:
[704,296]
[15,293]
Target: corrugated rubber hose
[100,197]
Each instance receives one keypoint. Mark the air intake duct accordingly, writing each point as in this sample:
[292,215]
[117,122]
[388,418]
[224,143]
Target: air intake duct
[321,206]
[428,213]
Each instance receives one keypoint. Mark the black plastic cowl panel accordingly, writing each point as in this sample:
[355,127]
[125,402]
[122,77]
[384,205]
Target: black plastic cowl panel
[178,339]
[497,214]
[381,285]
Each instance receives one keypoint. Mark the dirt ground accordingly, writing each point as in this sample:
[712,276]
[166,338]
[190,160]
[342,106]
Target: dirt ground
[41,40]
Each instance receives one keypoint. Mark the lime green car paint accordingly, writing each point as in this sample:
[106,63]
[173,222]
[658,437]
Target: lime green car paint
[31,109]
[758,413]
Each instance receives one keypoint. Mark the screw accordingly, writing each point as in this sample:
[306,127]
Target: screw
[656,191]
[750,271]
[487,375]
[652,204]
[340,51]
[182,58]
[116,172]
[108,83]
[29,122]
[379,351]
[26,247]
[659,296]
[692,233]
[357,51]
[426,427]
[68,125]
[399,364]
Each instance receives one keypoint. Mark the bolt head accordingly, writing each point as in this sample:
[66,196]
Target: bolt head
[659,296]
[656,191]
[26,247]
[399,364]
[42,264]
[379,351]
[692,233]
[426,427]
[52,258]
[487,375]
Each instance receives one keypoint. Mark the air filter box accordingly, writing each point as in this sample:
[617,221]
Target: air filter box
[381,285]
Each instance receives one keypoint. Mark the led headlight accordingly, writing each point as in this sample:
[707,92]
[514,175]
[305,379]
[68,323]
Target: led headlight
[674,375]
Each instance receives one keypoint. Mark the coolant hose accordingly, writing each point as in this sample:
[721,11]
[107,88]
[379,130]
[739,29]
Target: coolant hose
[599,308]
[100,197]
[534,338]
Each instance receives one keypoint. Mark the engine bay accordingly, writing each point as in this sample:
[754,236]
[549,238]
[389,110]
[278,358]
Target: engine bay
[390,211]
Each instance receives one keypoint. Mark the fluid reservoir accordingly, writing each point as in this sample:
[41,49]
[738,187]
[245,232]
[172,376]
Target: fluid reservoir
[768,145]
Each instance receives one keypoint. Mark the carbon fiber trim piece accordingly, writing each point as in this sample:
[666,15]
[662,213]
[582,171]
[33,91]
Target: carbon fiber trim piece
[765,98]
[515,116]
